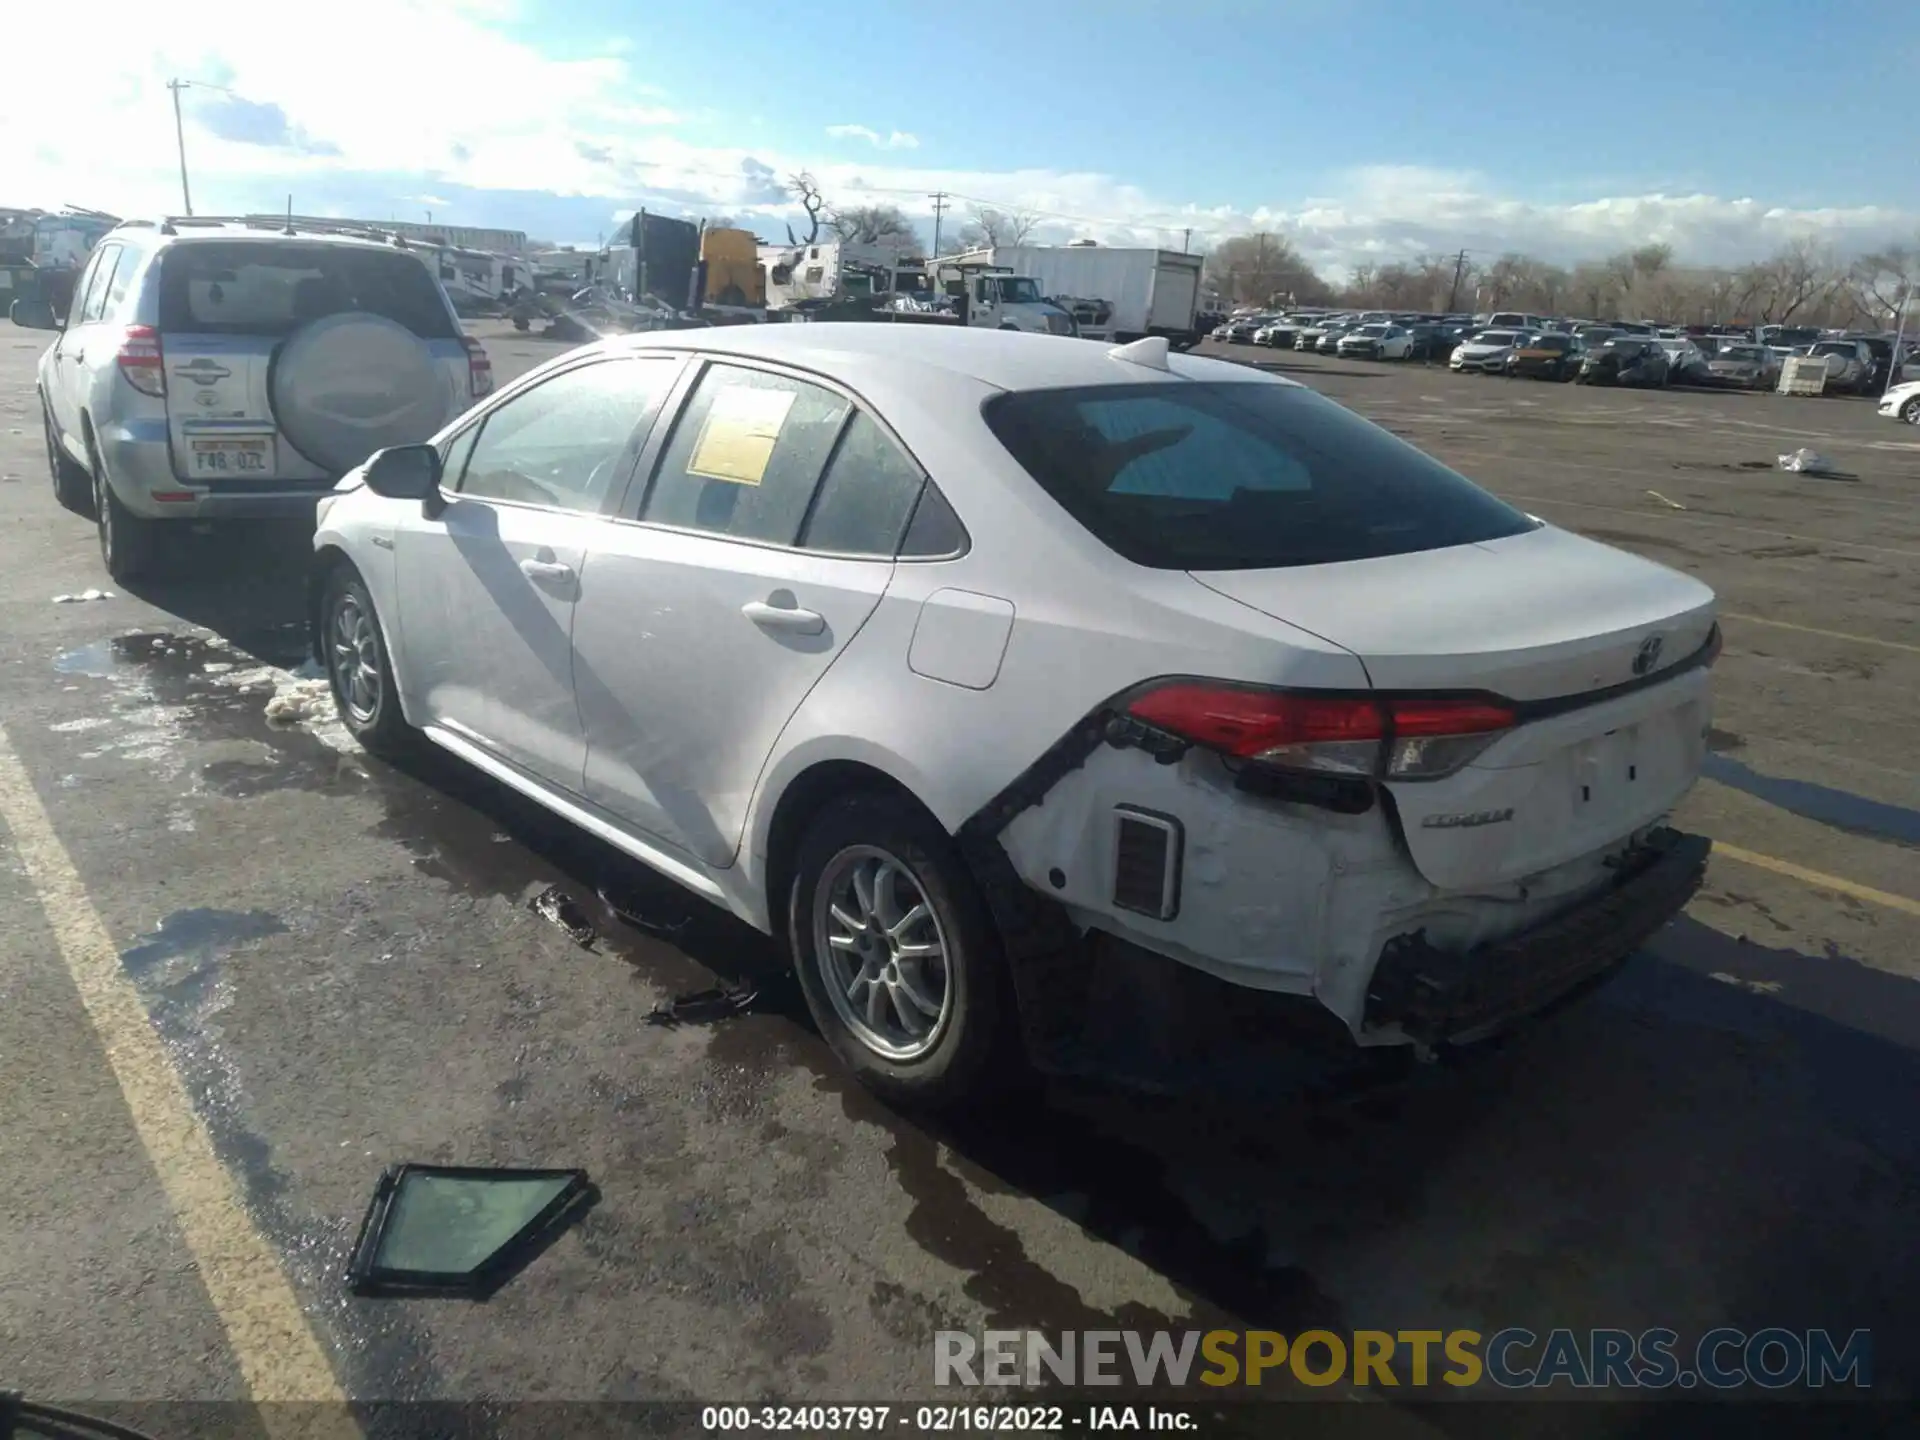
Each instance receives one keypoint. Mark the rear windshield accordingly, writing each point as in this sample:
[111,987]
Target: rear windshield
[1239,476]
[256,288]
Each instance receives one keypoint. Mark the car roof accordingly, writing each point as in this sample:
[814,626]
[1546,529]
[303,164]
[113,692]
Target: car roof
[1004,359]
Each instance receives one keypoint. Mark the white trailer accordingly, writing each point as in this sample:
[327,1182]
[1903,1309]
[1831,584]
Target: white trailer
[837,269]
[1147,292]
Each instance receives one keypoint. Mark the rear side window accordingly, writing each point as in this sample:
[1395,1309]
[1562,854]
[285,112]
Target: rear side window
[123,272]
[1239,476]
[94,303]
[269,288]
[866,497]
[745,455]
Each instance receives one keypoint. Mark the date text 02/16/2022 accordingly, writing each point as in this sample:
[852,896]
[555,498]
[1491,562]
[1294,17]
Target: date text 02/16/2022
[940,1419]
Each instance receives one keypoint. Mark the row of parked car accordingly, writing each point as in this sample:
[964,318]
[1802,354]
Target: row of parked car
[1624,352]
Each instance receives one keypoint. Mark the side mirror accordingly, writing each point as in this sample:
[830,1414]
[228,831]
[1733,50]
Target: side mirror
[33,314]
[407,472]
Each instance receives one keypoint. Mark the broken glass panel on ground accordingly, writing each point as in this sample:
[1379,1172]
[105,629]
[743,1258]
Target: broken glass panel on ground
[460,1230]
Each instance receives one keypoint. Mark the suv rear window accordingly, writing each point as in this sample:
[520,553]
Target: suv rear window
[270,288]
[1235,475]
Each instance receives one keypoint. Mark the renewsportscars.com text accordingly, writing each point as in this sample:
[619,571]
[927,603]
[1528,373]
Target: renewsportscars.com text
[1514,1358]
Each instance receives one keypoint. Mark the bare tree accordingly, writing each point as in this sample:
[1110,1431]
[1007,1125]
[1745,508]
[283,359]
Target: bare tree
[990,226]
[806,190]
[1798,275]
[1266,269]
[867,224]
[1878,283]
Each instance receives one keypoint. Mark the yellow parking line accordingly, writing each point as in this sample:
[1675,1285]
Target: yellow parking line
[1815,877]
[1816,630]
[277,1353]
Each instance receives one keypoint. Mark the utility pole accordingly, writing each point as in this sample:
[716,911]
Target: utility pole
[1459,269]
[1185,236]
[939,198]
[180,140]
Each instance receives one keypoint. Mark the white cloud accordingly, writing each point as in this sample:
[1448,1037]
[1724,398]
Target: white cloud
[892,140]
[353,127]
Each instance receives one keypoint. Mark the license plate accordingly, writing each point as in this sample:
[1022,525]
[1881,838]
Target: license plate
[233,457]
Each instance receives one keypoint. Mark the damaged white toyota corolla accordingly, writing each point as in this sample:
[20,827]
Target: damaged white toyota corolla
[935,650]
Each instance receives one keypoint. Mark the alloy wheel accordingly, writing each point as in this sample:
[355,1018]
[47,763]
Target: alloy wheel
[882,953]
[353,656]
[1910,412]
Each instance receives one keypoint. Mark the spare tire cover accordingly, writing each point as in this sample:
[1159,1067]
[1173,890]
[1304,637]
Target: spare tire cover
[347,385]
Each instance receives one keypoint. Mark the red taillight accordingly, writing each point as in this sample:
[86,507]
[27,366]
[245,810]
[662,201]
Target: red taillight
[1249,723]
[1400,737]
[141,361]
[479,368]
[1447,717]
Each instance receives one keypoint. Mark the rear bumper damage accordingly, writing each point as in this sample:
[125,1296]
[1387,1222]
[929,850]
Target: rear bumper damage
[1435,995]
[1276,894]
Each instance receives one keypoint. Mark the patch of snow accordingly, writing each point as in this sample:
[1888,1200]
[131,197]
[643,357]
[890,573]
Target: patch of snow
[217,667]
[69,727]
[295,701]
[83,596]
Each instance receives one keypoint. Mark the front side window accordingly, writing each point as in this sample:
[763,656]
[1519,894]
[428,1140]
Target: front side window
[565,443]
[1235,475]
[745,455]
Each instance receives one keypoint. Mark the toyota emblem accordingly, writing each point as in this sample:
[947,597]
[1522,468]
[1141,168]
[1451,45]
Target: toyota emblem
[1647,656]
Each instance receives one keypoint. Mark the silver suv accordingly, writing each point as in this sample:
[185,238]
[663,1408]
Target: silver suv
[216,369]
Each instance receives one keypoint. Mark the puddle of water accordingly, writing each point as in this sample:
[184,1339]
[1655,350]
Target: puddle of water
[181,688]
[200,935]
[1855,814]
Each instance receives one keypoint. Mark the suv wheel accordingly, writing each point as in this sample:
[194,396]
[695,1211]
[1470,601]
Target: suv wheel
[71,485]
[129,544]
[354,650]
[897,957]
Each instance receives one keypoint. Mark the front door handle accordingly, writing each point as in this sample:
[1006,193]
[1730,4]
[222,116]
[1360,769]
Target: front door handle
[545,570]
[781,617]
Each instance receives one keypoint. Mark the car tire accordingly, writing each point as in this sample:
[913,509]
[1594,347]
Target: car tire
[966,1051]
[72,486]
[353,648]
[129,544]
[1910,412]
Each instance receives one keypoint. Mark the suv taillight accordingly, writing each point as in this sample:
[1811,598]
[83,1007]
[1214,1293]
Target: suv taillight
[1394,737]
[479,368]
[140,359]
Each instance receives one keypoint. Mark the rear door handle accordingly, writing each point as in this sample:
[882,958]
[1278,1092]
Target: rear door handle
[545,570]
[781,617]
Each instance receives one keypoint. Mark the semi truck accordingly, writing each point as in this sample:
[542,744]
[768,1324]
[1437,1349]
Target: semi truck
[988,294]
[1111,293]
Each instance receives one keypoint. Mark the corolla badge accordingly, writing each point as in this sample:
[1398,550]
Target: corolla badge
[1648,655]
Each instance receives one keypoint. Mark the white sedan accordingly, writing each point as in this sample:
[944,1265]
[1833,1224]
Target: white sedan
[937,652]
[1487,353]
[1376,342]
[1902,402]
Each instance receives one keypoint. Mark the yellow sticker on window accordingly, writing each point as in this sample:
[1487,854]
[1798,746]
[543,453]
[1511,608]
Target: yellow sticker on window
[737,438]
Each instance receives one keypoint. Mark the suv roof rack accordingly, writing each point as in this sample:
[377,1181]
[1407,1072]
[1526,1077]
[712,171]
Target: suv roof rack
[173,224]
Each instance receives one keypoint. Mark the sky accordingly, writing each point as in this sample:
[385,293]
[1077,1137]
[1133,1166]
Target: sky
[1366,130]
